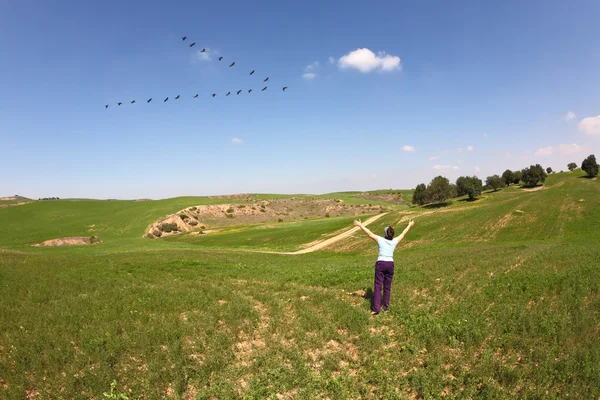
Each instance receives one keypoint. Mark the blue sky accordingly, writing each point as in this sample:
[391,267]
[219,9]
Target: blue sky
[384,96]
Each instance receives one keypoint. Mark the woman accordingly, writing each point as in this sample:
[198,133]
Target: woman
[384,267]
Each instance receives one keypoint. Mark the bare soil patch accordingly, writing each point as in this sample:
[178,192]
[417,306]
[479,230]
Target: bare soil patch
[69,241]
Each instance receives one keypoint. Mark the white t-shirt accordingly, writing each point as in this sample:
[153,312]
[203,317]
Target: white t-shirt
[386,248]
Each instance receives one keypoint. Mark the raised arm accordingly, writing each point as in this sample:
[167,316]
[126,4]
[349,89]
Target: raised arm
[410,224]
[365,230]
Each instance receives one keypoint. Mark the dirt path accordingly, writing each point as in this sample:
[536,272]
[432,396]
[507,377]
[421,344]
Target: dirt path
[327,242]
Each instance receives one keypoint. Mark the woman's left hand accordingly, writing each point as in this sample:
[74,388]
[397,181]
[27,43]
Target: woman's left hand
[357,222]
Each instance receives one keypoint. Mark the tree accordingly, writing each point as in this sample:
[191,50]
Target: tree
[508,177]
[439,190]
[420,195]
[590,166]
[470,185]
[572,166]
[494,181]
[549,170]
[517,175]
[533,175]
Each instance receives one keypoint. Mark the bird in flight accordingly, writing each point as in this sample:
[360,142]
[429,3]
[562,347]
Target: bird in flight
[251,72]
[203,51]
[196,95]
[220,58]
[238,92]
[183,38]
[192,44]
[119,103]
[228,93]
[177,98]
[266,79]
[263,89]
[249,90]
[106,106]
[133,101]
[285,87]
[214,94]
[149,100]
[165,100]
[232,64]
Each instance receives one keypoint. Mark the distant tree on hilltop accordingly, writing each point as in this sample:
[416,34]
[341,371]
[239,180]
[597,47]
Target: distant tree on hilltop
[470,185]
[508,177]
[494,182]
[590,166]
[517,175]
[420,195]
[549,170]
[572,166]
[533,175]
[439,190]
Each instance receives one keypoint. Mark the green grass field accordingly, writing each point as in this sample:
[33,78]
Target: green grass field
[496,298]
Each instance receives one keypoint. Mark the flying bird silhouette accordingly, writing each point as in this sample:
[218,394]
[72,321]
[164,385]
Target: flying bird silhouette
[228,93]
[214,94]
[263,89]
[106,106]
[133,101]
[203,51]
[252,72]
[196,95]
[193,44]
[285,87]
[249,90]
[149,100]
[165,100]
[232,64]
[177,98]
[220,58]
[183,38]
[266,79]
[119,103]
[238,92]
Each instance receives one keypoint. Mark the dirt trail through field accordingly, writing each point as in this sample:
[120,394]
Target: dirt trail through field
[329,241]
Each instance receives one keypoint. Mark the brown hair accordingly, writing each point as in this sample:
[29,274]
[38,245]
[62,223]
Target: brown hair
[390,233]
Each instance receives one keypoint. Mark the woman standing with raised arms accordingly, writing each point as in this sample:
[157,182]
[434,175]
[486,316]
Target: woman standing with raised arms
[384,267]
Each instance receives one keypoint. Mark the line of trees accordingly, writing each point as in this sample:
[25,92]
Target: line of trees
[48,198]
[440,189]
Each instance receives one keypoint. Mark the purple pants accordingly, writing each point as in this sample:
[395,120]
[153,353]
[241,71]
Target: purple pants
[384,273]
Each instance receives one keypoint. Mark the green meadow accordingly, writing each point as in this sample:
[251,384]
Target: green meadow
[495,298]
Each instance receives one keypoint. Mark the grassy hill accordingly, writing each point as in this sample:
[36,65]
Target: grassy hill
[496,298]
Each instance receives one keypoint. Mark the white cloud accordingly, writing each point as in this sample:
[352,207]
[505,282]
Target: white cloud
[470,148]
[438,167]
[331,60]
[408,148]
[477,168]
[366,61]
[544,151]
[569,148]
[312,66]
[590,125]
[433,158]
[309,75]
[237,141]
[460,161]
[570,115]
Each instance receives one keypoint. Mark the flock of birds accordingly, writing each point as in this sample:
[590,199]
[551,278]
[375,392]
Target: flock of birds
[184,38]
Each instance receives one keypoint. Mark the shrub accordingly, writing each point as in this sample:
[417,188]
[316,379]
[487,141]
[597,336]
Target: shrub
[494,182]
[193,208]
[262,206]
[229,210]
[171,227]
[590,166]
[549,170]
[183,217]
[157,233]
[202,227]
[327,215]
[254,208]
[241,206]
[279,220]
[572,166]
[263,210]
[150,236]
[229,215]
[94,239]
[193,222]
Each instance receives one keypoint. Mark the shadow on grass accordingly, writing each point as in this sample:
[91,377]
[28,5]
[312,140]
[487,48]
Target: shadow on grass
[436,205]
[467,200]
[586,177]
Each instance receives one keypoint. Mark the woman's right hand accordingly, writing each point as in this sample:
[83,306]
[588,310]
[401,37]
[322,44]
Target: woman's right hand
[411,223]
